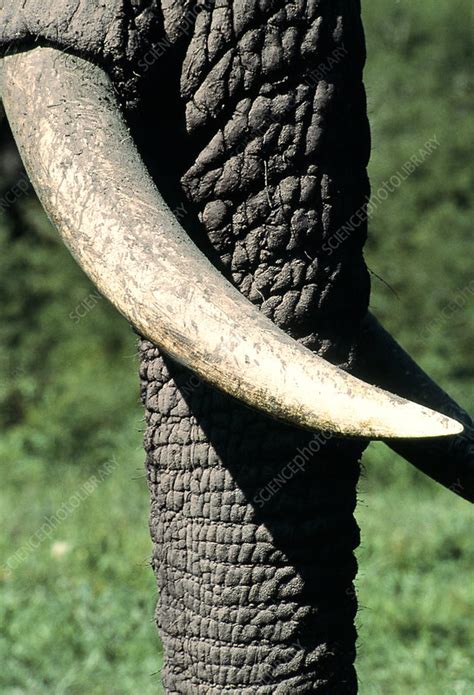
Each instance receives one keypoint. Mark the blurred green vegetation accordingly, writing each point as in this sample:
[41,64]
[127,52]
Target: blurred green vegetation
[416,584]
[76,612]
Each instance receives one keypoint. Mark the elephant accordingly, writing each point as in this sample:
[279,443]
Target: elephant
[263,375]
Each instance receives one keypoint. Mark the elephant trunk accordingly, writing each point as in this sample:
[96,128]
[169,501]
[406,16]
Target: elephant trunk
[254,535]
[252,521]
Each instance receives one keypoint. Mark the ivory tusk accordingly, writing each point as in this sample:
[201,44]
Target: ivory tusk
[95,188]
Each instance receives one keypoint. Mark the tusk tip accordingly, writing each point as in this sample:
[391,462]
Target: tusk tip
[425,423]
[448,427]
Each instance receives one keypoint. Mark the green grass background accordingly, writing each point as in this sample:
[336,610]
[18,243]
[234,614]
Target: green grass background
[76,614]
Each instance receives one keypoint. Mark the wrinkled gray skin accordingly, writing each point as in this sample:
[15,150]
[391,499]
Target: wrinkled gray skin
[251,116]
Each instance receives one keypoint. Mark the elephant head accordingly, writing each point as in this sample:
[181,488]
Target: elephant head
[256,113]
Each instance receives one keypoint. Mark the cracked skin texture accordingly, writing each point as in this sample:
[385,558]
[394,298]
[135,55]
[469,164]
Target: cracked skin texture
[265,135]
[256,596]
